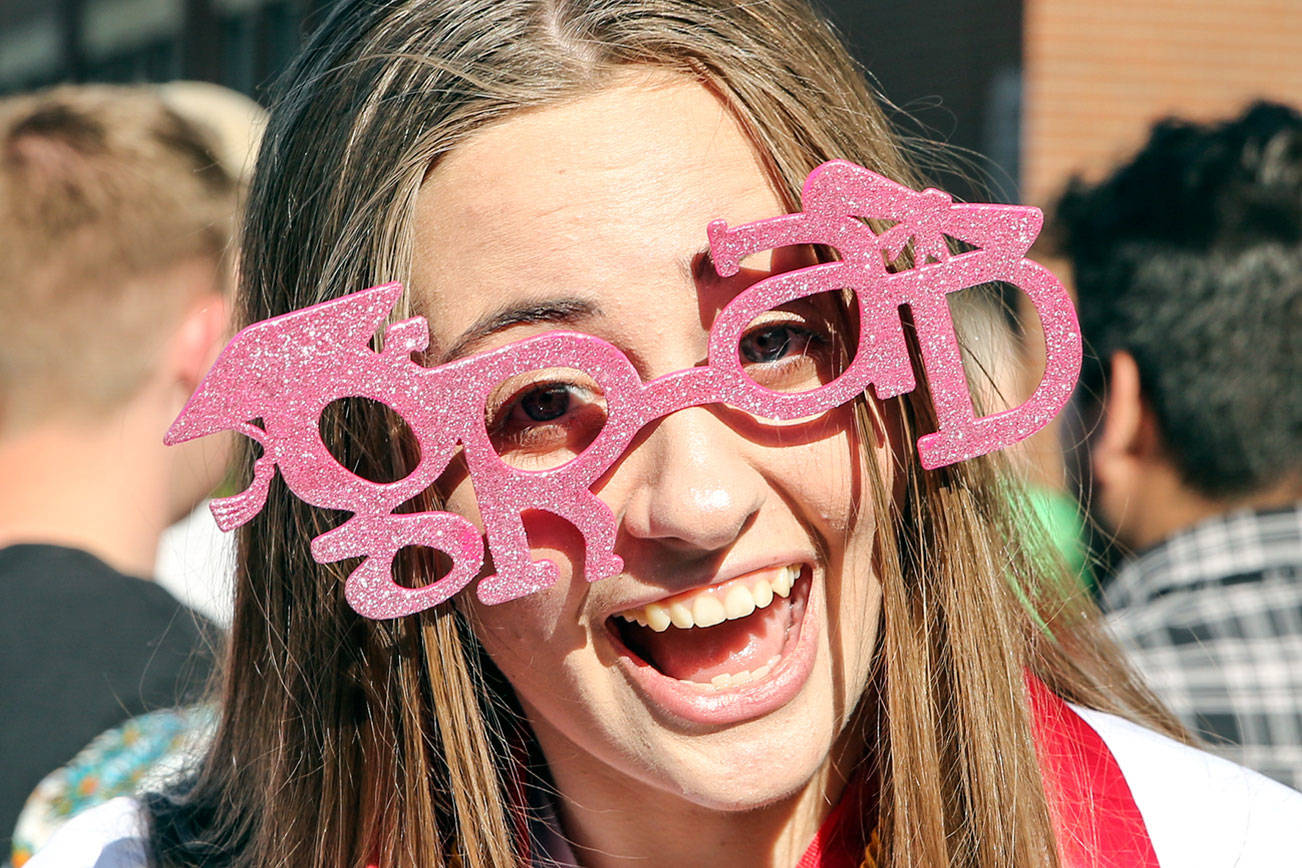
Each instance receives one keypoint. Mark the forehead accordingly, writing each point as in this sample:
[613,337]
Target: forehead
[606,197]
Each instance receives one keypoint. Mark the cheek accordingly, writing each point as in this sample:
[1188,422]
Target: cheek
[529,637]
[507,629]
[526,638]
[829,479]
[830,484]
[838,482]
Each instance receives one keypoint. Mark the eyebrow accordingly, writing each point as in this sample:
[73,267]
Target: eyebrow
[554,310]
[700,266]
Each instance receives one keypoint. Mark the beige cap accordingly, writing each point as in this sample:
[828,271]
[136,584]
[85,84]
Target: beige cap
[235,120]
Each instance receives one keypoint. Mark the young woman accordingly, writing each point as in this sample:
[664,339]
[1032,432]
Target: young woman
[895,697]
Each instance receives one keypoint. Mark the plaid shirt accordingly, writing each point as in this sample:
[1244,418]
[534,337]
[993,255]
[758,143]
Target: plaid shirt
[1212,617]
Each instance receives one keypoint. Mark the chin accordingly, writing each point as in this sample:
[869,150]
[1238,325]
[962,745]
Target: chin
[761,764]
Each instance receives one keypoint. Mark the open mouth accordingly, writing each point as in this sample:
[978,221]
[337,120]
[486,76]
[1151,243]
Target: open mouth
[723,636]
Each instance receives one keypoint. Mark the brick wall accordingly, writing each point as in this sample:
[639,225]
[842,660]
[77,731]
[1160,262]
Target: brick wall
[1099,72]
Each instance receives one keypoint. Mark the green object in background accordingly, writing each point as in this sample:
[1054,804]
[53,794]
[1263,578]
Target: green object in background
[1060,516]
[1061,529]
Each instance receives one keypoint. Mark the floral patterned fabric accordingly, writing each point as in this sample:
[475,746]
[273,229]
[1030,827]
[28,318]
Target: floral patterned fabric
[140,755]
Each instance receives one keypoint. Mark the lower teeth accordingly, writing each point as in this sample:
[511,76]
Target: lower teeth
[736,679]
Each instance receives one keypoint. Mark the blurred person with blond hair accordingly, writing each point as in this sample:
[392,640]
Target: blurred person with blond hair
[117,216]
[195,559]
[1188,265]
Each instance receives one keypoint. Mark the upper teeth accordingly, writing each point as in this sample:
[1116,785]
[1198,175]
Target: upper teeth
[707,607]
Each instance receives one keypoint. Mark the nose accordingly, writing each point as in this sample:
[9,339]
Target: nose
[693,488]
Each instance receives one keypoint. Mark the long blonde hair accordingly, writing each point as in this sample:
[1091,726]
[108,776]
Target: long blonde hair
[342,738]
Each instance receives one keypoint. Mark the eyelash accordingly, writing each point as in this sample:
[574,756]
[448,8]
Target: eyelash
[528,439]
[807,359]
[809,336]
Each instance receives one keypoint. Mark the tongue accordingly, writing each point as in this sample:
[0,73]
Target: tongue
[700,653]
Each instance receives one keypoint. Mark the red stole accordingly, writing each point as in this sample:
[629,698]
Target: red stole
[1098,822]
[1095,815]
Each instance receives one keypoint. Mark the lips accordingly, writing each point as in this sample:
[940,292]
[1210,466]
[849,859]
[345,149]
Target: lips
[724,652]
[723,635]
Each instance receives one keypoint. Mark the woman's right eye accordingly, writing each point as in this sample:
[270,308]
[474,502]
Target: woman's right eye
[545,404]
[545,424]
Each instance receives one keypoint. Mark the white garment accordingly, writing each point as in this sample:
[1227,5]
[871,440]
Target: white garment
[111,835]
[1201,811]
[196,562]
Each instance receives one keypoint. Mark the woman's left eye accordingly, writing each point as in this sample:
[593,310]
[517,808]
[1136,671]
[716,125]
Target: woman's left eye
[774,342]
[787,356]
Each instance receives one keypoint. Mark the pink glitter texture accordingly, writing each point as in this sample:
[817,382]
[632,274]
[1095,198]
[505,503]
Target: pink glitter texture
[287,369]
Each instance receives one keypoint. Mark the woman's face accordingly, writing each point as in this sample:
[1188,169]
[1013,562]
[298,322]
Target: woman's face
[590,216]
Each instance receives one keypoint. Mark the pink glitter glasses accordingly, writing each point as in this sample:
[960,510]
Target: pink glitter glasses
[579,402]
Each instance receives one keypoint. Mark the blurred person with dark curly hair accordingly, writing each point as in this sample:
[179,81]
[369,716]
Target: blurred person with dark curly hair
[1188,265]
